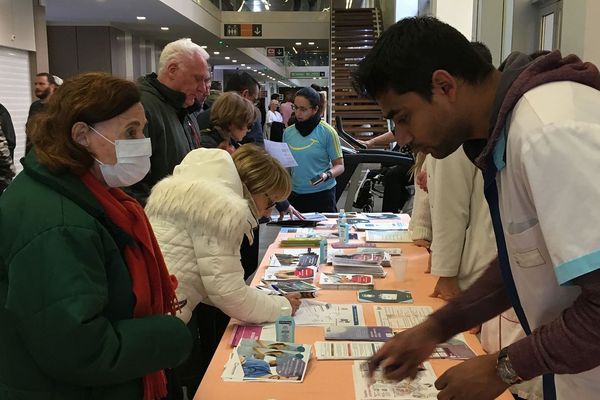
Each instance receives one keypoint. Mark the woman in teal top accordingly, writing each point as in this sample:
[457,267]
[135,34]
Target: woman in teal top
[315,146]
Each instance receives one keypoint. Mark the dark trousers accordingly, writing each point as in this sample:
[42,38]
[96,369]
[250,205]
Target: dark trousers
[324,201]
[207,325]
[395,194]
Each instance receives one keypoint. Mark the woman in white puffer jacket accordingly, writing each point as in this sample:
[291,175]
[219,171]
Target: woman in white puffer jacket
[200,215]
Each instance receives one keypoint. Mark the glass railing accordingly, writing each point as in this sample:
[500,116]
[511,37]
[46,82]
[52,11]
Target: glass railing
[273,5]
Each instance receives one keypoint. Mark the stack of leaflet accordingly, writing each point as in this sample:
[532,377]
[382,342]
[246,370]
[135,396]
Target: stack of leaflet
[292,271]
[346,281]
[360,263]
[305,237]
[391,226]
[267,361]
[389,236]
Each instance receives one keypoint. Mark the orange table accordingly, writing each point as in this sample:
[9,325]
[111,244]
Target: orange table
[326,379]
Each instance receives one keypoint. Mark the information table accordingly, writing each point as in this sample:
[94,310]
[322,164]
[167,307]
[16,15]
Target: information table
[327,379]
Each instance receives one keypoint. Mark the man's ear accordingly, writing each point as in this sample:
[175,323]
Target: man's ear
[171,69]
[443,83]
[79,132]
[245,93]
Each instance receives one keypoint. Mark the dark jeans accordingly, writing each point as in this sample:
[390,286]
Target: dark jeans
[324,201]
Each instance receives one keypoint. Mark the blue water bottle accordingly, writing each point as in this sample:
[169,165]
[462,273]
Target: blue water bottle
[343,227]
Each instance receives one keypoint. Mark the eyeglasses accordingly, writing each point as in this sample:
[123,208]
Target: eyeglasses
[301,109]
[270,203]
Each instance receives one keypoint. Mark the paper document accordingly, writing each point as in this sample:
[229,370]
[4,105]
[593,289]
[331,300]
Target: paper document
[312,312]
[422,387]
[281,152]
[346,350]
[401,317]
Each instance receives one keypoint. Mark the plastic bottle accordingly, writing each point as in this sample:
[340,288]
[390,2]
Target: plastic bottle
[285,327]
[323,251]
[343,227]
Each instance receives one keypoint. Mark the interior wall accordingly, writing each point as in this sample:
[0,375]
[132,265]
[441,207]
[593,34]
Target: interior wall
[74,50]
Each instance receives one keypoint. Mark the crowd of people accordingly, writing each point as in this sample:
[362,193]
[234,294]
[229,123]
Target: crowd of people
[127,239]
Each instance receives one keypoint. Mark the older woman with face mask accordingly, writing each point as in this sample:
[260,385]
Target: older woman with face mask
[88,304]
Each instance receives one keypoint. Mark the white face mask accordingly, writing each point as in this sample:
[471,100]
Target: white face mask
[133,161]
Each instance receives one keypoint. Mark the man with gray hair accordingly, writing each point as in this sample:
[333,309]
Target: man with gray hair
[183,73]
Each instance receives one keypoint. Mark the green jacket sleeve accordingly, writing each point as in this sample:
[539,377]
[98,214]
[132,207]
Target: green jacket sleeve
[58,292]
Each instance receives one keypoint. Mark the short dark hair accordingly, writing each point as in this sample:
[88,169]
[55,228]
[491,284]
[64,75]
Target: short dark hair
[49,77]
[483,51]
[240,81]
[89,98]
[216,85]
[406,55]
[311,95]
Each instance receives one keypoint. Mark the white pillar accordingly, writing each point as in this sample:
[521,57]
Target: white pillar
[580,29]
[458,13]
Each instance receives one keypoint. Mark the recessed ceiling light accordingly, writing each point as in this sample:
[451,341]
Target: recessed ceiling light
[295,51]
[204,47]
[255,70]
[311,43]
[248,67]
[243,65]
[233,60]
[164,28]
[298,43]
[140,18]
[227,57]
[216,53]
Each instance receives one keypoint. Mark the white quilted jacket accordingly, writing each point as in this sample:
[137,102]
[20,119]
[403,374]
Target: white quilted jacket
[200,216]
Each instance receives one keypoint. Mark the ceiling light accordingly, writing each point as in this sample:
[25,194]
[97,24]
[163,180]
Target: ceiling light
[233,60]
[227,57]
[204,47]
[242,65]
[216,53]
[248,67]
[255,70]
[164,28]
[295,51]
[298,43]
[311,43]
[140,18]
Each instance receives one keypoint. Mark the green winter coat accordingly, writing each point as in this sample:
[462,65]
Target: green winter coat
[66,301]
[170,136]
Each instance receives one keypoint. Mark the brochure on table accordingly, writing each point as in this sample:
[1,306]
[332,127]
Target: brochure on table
[378,388]
[388,236]
[267,361]
[401,317]
[313,312]
[346,350]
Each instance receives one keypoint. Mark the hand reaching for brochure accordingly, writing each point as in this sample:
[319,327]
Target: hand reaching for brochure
[401,356]
[294,299]
[292,212]
[446,288]
[473,379]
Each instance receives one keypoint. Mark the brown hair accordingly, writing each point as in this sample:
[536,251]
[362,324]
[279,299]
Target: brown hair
[261,173]
[231,108]
[88,98]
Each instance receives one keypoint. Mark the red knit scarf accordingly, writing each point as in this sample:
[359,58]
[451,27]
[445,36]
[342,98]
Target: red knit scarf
[153,287]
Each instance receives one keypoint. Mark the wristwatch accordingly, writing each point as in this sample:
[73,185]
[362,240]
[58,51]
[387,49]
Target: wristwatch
[329,174]
[504,369]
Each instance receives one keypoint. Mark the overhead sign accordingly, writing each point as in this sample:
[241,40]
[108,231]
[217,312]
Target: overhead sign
[307,74]
[275,51]
[243,30]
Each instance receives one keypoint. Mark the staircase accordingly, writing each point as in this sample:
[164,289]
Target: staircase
[353,34]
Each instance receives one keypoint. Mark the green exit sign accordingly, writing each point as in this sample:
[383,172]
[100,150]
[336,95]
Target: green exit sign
[307,74]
